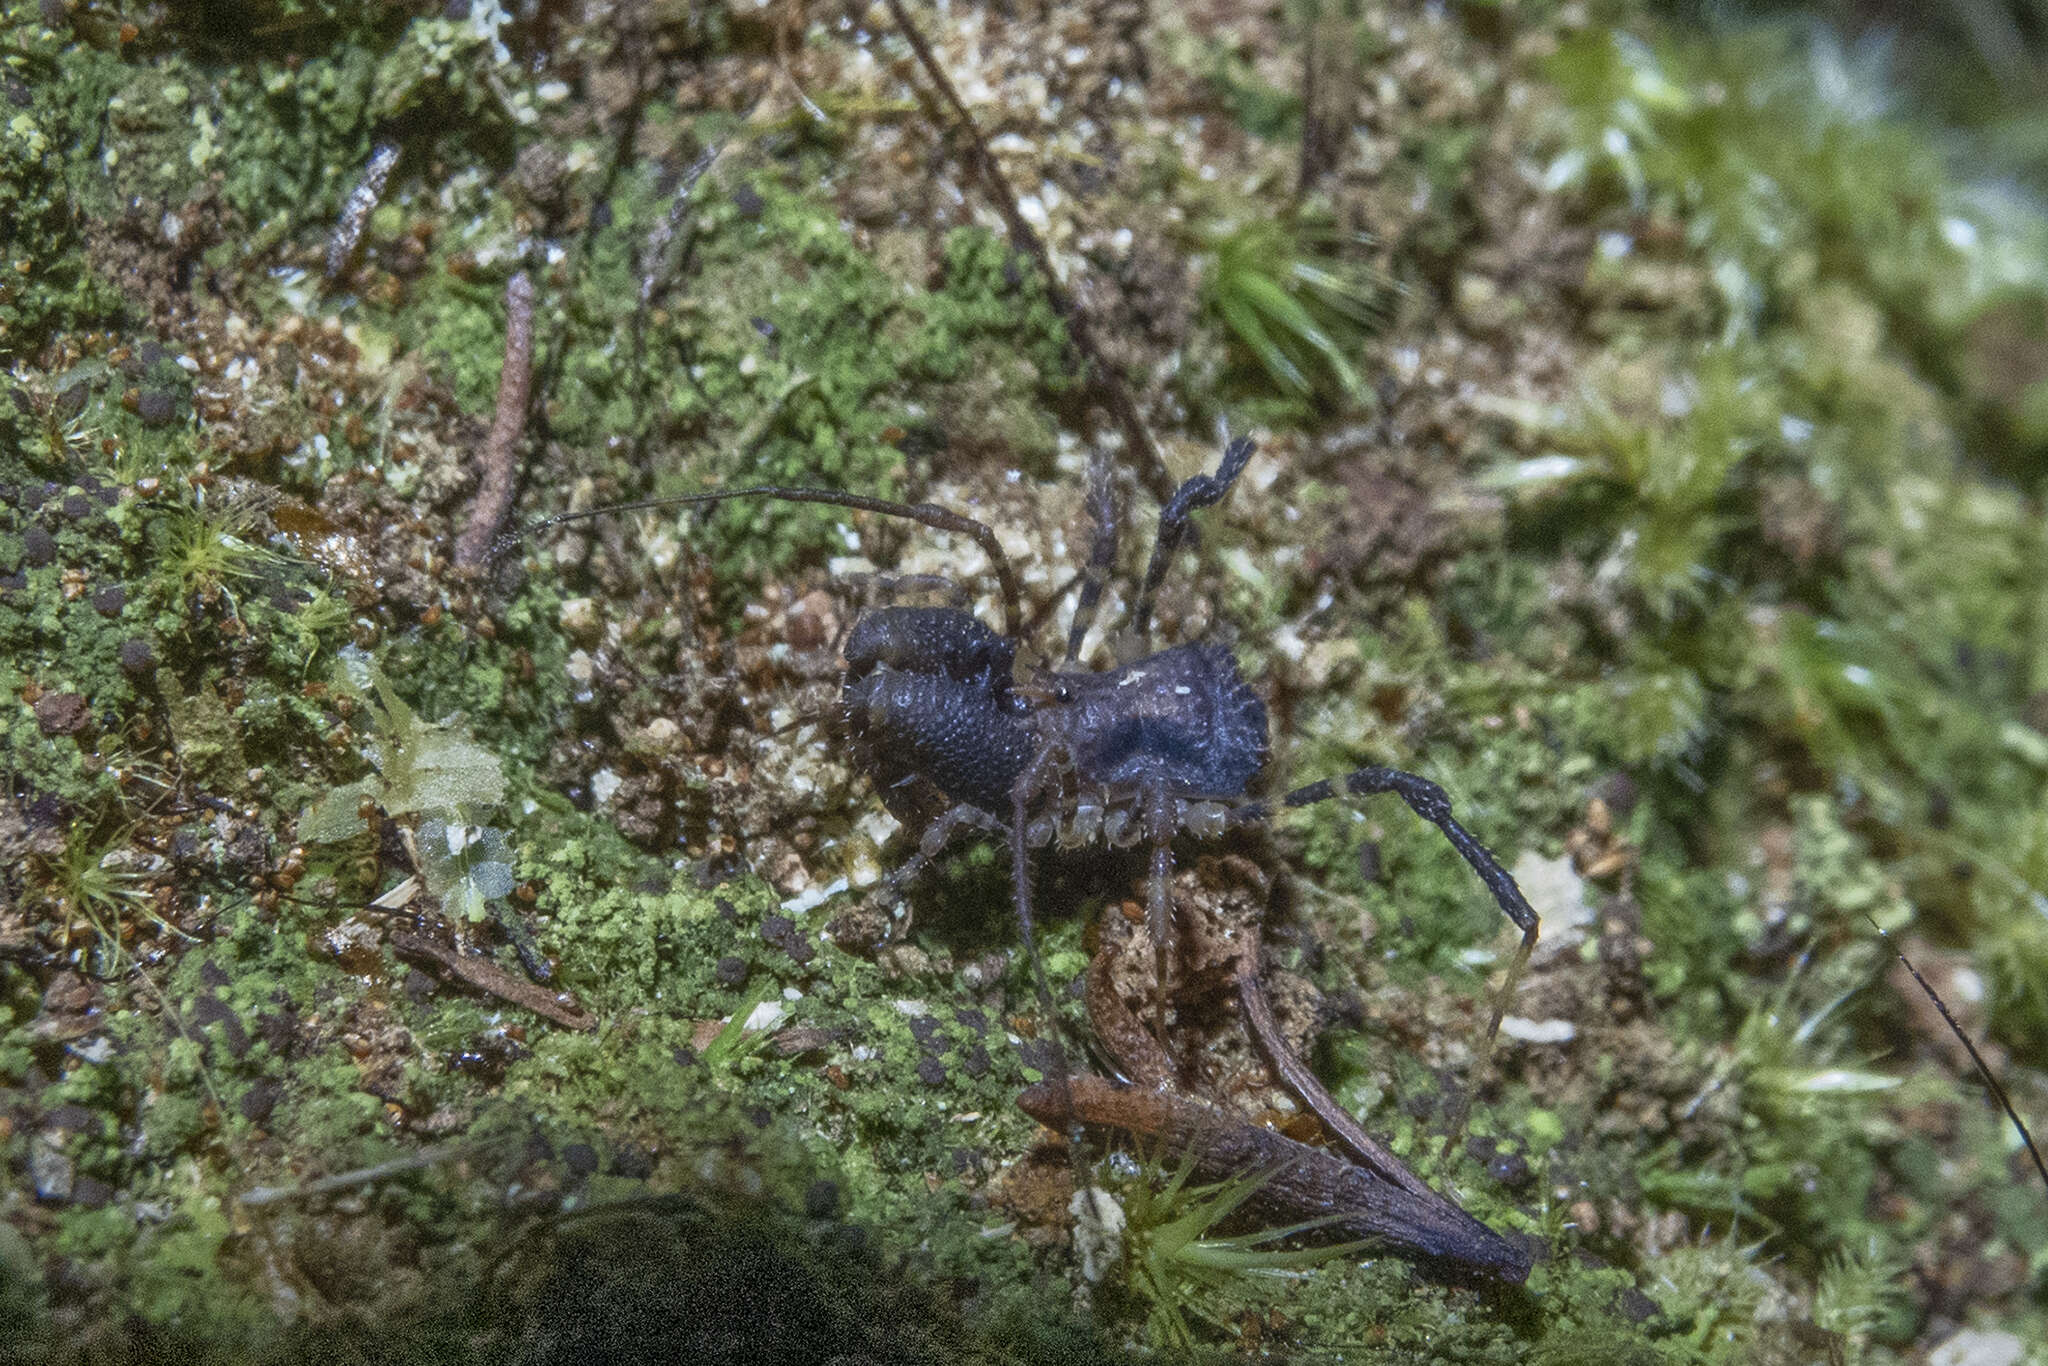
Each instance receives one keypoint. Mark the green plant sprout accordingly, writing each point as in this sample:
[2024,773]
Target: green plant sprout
[1797,1101]
[207,551]
[89,883]
[1292,305]
[436,773]
[1175,1262]
[740,1039]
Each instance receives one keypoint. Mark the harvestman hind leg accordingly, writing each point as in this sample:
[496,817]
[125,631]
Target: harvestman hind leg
[1433,804]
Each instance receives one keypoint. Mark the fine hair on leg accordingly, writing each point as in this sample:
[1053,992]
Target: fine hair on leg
[1105,512]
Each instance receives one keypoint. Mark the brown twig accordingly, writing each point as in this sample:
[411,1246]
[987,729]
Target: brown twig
[492,980]
[1295,1181]
[508,423]
[1137,1055]
[1103,379]
[1304,1085]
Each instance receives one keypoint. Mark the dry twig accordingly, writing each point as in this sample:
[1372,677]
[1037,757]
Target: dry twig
[501,448]
[1103,379]
[492,980]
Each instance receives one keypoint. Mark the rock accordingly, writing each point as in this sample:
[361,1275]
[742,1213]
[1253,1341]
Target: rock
[1973,1348]
[62,713]
[49,1172]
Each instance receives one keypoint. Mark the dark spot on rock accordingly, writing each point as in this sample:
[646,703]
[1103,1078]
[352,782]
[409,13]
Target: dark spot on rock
[89,1192]
[971,1017]
[931,1071]
[731,972]
[38,547]
[1419,1104]
[633,1163]
[211,1010]
[1344,1010]
[109,601]
[821,1199]
[13,583]
[417,986]
[260,1099]
[966,1161]
[138,657]
[279,1029]
[976,1064]
[77,506]
[1369,867]
[70,1117]
[455,11]
[249,847]
[1036,1054]
[156,407]
[748,201]
[580,1159]
[924,1029]
[853,1241]
[1620,793]
[783,933]
[62,713]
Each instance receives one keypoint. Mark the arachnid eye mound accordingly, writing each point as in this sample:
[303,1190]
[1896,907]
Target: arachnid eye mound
[1184,718]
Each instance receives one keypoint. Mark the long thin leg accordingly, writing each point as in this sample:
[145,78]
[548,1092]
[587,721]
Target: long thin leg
[1028,785]
[1103,378]
[1102,508]
[1433,804]
[1159,900]
[1198,492]
[930,845]
[1305,1086]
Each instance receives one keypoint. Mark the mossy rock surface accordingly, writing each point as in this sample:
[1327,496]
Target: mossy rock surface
[400,962]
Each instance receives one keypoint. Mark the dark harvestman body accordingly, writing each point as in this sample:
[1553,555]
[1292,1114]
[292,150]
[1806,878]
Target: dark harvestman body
[1172,741]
